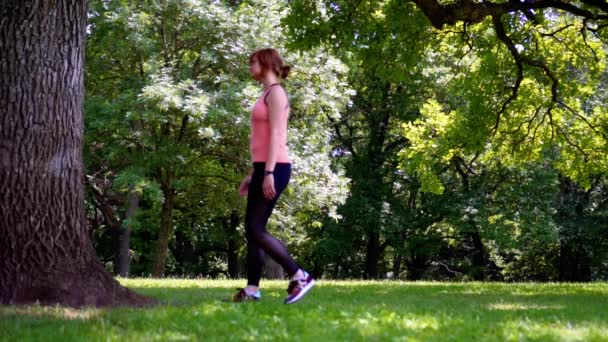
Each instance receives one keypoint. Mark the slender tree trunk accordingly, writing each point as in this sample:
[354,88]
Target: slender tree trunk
[184,251]
[124,236]
[233,245]
[397,258]
[46,254]
[272,269]
[573,262]
[416,265]
[166,230]
[478,257]
[372,255]
[574,259]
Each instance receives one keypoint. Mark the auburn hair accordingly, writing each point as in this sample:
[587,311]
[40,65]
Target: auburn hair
[270,60]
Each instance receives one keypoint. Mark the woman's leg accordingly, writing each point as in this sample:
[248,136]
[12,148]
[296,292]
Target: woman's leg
[259,240]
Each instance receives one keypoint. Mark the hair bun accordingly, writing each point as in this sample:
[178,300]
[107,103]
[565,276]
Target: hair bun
[285,71]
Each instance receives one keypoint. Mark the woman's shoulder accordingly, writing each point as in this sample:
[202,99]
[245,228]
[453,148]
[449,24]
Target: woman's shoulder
[275,91]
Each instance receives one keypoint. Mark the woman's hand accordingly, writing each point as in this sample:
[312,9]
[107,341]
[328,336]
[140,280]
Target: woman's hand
[244,188]
[268,187]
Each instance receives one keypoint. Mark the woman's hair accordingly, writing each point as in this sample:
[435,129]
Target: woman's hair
[270,59]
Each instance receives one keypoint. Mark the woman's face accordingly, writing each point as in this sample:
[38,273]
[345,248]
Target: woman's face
[255,69]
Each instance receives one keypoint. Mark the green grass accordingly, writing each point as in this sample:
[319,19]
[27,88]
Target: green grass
[333,311]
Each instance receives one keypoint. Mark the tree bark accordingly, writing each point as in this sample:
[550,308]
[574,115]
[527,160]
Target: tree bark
[46,255]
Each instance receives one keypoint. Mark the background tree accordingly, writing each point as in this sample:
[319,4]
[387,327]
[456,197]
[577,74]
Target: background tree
[168,109]
[502,98]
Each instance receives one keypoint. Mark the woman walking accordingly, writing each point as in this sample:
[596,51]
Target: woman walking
[268,178]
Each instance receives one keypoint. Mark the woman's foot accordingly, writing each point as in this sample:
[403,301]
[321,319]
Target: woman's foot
[244,296]
[298,288]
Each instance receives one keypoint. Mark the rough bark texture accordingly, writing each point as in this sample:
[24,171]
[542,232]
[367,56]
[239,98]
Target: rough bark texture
[46,254]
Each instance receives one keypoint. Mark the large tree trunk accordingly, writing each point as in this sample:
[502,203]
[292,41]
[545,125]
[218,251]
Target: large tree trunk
[46,254]
[166,231]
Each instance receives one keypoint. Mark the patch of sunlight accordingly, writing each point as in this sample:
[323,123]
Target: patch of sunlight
[387,282]
[473,291]
[566,331]
[521,306]
[175,283]
[380,324]
[253,334]
[210,309]
[51,312]
[162,335]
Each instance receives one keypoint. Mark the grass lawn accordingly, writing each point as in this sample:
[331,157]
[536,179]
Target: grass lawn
[333,311]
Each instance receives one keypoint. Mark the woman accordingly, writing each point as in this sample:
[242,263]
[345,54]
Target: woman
[268,179]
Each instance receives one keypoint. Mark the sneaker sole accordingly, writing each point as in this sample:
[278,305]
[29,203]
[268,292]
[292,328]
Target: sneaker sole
[302,293]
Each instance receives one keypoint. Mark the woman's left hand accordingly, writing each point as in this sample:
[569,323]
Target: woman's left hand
[268,187]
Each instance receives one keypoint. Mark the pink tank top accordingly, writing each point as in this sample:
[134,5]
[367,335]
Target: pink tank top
[260,132]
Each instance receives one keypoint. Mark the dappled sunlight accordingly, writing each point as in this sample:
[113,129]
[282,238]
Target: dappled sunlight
[414,323]
[196,309]
[387,324]
[558,331]
[193,283]
[211,309]
[522,306]
[53,312]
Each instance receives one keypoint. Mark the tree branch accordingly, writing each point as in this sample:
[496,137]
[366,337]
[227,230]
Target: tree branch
[474,12]
[502,36]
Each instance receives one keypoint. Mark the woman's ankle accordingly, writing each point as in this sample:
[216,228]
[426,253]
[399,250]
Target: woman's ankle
[298,275]
[251,289]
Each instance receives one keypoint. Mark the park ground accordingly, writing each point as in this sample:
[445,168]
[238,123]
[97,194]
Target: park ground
[197,310]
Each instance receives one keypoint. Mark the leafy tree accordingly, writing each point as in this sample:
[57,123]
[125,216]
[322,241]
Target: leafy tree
[169,106]
[492,94]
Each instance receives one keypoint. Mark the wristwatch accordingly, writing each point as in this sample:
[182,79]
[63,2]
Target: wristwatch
[266,172]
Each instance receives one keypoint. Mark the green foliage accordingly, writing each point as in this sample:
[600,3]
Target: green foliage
[411,152]
[488,137]
[167,108]
[555,115]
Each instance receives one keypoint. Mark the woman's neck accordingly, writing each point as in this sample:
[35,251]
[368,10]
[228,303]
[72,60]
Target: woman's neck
[269,80]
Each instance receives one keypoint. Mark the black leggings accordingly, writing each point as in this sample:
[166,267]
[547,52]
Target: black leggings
[259,241]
